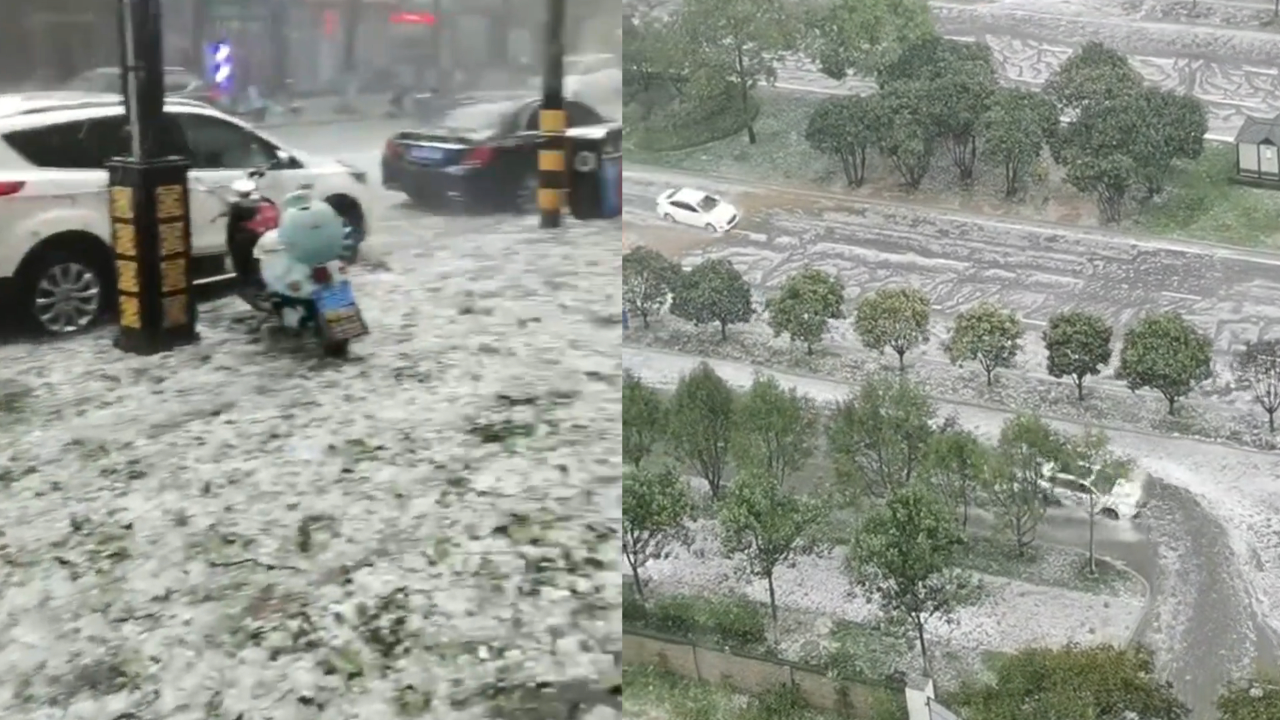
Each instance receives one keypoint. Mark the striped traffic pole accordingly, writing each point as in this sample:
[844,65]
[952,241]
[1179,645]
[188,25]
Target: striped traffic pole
[553,179]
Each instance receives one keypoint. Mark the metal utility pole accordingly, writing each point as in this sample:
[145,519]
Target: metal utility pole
[553,179]
[149,208]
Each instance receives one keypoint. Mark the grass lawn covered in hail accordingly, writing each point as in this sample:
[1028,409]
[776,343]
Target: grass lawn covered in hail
[240,529]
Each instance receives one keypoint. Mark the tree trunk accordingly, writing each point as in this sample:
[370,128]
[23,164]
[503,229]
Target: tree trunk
[991,374]
[773,606]
[1079,388]
[902,360]
[808,348]
[350,31]
[1271,416]
[635,578]
[964,519]
[1093,514]
[924,650]
[1172,401]
[644,320]
[724,330]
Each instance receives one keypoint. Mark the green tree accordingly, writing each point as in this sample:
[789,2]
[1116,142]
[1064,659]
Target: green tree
[905,555]
[713,291]
[987,333]
[1078,345]
[766,526]
[647,279]
[1098,152]
[846,37]
[907,134]
[655,505]
[701,424]
[878,438]
[803,306]
[1093,469]
[1250,699]
[774,429]
[647,64]
[1175,129]
[740,41]
[845,127]
[1015,130]
[1028,449]
[643,419]
[1166,353]
[955,464]
[1257,366]
[959,79]
[1094,75]
[1073,682]
[893,317]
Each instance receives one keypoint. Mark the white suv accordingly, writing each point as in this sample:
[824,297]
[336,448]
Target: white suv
[56,263]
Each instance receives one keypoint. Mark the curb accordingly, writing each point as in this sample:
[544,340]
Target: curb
[1147,599]
[1191,247]
[957,402]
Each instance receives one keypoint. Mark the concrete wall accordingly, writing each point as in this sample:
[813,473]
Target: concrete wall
[754,675]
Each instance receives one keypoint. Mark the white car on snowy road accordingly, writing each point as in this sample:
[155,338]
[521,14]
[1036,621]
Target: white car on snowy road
[697,208]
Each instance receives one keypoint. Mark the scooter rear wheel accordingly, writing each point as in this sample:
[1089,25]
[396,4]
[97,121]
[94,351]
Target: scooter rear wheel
[336,348]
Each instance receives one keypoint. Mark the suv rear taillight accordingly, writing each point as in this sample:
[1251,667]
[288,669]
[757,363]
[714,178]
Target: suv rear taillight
[478,157]
[11,187]
[393,149]
[320,275]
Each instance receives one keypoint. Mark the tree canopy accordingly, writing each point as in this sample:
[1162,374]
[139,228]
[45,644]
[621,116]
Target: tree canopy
[713,291]
[647,280]
[701,424]
[987,333]
[904,556]
[845,37]
[806,302]
[1166,353]
[1078,345]
[1100,681]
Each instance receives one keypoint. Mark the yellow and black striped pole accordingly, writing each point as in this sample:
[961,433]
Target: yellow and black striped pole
[553,178]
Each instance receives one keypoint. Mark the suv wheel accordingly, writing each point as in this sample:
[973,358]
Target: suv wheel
[64,293]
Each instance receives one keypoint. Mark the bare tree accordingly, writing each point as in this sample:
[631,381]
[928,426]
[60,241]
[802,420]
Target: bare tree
[1258,366]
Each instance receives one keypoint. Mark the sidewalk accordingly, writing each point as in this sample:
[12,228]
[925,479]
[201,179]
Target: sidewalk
[367,106]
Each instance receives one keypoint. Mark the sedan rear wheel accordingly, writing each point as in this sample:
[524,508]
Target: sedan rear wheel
[710,227]
[668,218]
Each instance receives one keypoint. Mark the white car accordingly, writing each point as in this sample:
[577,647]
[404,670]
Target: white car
[697,208]
[57,269]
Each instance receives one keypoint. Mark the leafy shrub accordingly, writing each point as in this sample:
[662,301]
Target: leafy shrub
[731,622]
[681,125]
[782,701]
[633,611]
[678,615]
[738,623]
[859,652]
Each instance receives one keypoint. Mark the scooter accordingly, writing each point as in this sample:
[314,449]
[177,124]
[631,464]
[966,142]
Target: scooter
[290,265]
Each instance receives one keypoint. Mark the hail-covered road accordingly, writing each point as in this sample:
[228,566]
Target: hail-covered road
[239,529]
[1214,558]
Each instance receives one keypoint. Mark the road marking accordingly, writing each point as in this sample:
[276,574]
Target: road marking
[1182,296]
